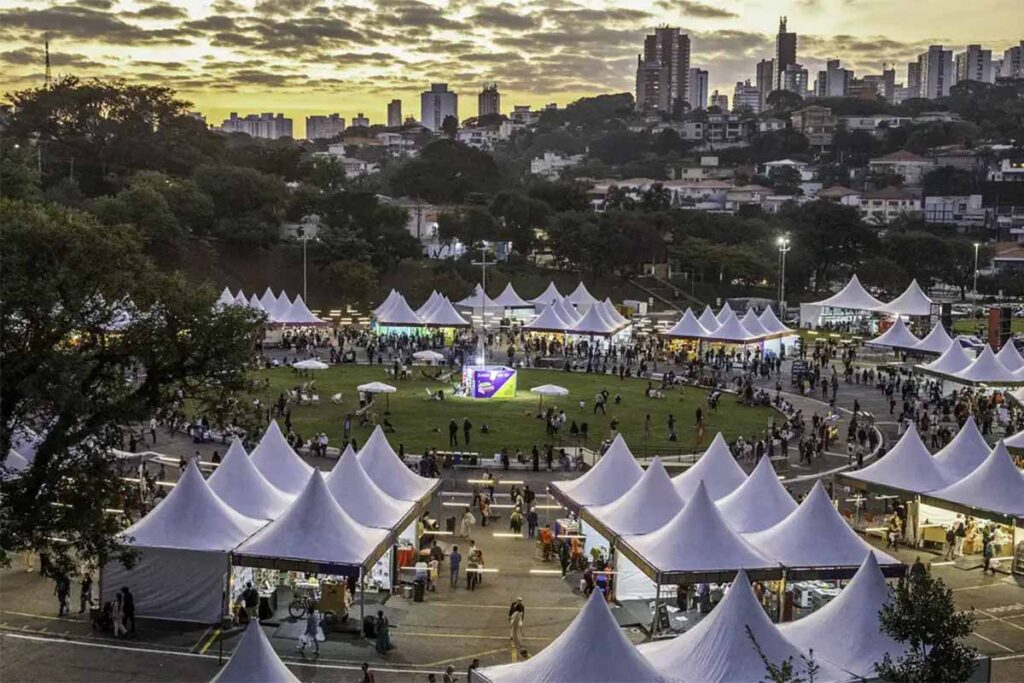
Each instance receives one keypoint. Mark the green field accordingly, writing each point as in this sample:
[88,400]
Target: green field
[422,424]
[970,326]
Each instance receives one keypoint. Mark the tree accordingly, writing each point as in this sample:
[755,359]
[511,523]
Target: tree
[947,180]
[783,101]
[446,172]
[95,339]
[921,614]
[143,207]
[520,216]
[450,126]
[830,235]
[785,180]
[19,178]
[247,203]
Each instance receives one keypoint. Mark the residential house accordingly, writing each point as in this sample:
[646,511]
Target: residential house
[837,194]
[805,170]
[962,211]
[746,195]
[886,205]
[815,122]
[907,165]
[552,164]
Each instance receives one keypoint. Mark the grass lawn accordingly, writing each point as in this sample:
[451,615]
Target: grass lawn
[971,325]
[422,424]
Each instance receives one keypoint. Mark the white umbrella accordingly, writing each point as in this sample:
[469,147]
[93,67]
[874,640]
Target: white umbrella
[428,355]
[310,364]
[379,388]
[548,390]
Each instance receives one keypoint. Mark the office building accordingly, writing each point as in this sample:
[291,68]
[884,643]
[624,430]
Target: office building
[816,122]
[668,49]
[794,79]
[1013,62]
[936,69]
[913,80]
[489,100]
[394,113]
[324,127]
[697,93]
[268,125]
[651,86]
[765,80]
[834,81]
[974,64]
[360,121]
[720,101]
[436,105]
[746,96]
[785,54]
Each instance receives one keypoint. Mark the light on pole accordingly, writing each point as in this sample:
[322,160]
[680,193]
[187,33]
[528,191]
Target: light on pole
[974,302]
[784,248]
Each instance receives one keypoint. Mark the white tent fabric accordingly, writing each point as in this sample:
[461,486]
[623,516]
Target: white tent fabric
[593,323]
[191,517]
[429,355]
[913,302]
[268,301]
[548,321]
[718,470]
[388,300]
[753,325]
[399,313]
[908,466]
[549,390]
[592,648]
[697,539]
[377,388]
[388,471]
[732,330]
[581,297]
[953,360]
[443,314]
[1015,441]
[852,297]
[14,465]
[759,502]
[509,298]
[646,507]
[255,304]
[724,312]
[284,304]
[965,452]
[298,314]
[771,322]
[240,299]
[719,650]
[936,341]
[610,319]
[363,500]
[1010,357]
[897,336]
[429,304]
[310,364]
[254,661]
[238,483]
[707,319]
[315,529]
[800,539]
[996,485]
[548,296]
[276,461]
[986,369]
[845,631]
[688,327]
[479,300]
[226,298]
[614,474]
[567,311]
[613,312]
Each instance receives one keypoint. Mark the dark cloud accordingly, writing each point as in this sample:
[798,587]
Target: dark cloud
[700,10]
[504,17]
[411,14]
[284,7]
[158,10]
[87,24]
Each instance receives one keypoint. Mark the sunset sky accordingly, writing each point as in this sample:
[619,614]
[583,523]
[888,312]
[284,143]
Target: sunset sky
[322,56]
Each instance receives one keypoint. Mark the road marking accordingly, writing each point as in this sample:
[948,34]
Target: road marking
[199,642]
[43,616]
[209,642]
[994,642]
[992,616]
[470,636]
[1005,657]
[549,609]
[476,655]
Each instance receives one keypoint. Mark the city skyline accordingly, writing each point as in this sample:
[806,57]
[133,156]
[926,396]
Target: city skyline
[304,58]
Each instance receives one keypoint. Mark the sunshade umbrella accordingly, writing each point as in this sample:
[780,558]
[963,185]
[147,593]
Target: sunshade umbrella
[428,355]
[379,388]
[310,364]
[548,390]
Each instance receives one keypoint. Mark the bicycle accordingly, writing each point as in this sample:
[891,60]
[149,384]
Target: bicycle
[300,607]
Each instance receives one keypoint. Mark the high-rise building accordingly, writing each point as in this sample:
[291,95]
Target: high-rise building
[360,121]
[888,89]
[394,113]
[936,68]
[697,93]
[669,49]
[489,100]
[436,105]
[913,80]
[834,81]
[324,127]
[651,86]
[765,80]
[746,96]
[785,54]
[266,125]
[720,101]
[795,80]
[1013,62]
[974,64]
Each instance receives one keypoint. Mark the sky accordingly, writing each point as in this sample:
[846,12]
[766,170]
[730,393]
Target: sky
[305,57]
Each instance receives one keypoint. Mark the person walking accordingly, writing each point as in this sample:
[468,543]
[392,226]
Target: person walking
[467,427]
[128,605]
[950,543]
[62,589]
[454,560]
[117,616]
[85,598]
[367,674]
[453,433]
[468,522]
[517,635]
[531,523]
[311,635]
[987,552]
[961,536]
[251,600]
[383,634]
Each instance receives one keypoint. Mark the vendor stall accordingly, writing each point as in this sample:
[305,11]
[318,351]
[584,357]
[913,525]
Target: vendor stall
[238,483]
[254,660]
[279,463]
[716,468]
[759,502]
[614,474]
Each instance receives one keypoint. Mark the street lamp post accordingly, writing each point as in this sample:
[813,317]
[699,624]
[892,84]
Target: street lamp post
[784,248]
[974,297]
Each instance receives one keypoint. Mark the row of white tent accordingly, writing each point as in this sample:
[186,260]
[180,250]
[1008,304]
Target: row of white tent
[280,310]
[436,311]
[509,298]
[854,297]
[600,319]
[989,368]
[965,473]
[727,327]
[266,509]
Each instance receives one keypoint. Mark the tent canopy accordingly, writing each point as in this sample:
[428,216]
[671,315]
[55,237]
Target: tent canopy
[953,360]
[646,507]
[281,465]
[759,502]
[594,323]
[548,320]
[548,296]
[254,659]
[707,319]
[852,297]
[388,300]
[432,301]
[297,314]
[567,311]
[613,313]
[363,500]
[238,483]
[731,330]
[688,327]
[897,336]
[443,314]
[718,470]
[913,301]
[771,322]
[398,314]
[581,297]
[614,474]
[996,486]
[388,471]
[753,325]
[965,452]
[986,369]
[1010,356]
[936,341]
[724,312]
[907,466]
[509,298]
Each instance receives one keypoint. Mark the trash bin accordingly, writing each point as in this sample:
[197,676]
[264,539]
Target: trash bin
[418,588]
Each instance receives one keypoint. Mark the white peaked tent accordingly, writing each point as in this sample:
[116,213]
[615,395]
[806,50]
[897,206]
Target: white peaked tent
[593,323]
[238,483]
[936,341]
[581,297]
[479,300]
[429,304]
[985,369]
[276,461]
[646,507]
[298,314]
[1015,441]
[443,314]
[845,632]
[363,500]
[548,321]
[388,300]
[226,298]
[509,298]
[965,452]
[388,471]
[548,296]
[314,534]
[284,304]
[852,297]
[688,327]
[996,485]
[614,474]
[897,336]
[724,312]
[815,536]
[731,330]
[254,661]
[759,502]
[771,322]
[399,314]
[183,542]
[592,648]
[603,313]
[567,311]
[697,544]
[907,466]
[240,299]
[268,301]
[913,302]
[953,360]
[1010,356]
[753,325]
[719,650]
[718,470]
[707,319]
[613,313]
[255,304]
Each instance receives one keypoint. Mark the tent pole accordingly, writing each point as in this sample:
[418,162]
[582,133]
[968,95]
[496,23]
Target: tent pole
[782,597]
[657,601]
[362,599]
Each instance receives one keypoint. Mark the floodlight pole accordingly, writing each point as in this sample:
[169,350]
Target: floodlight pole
[784,248]
[974,303]
[483,263]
